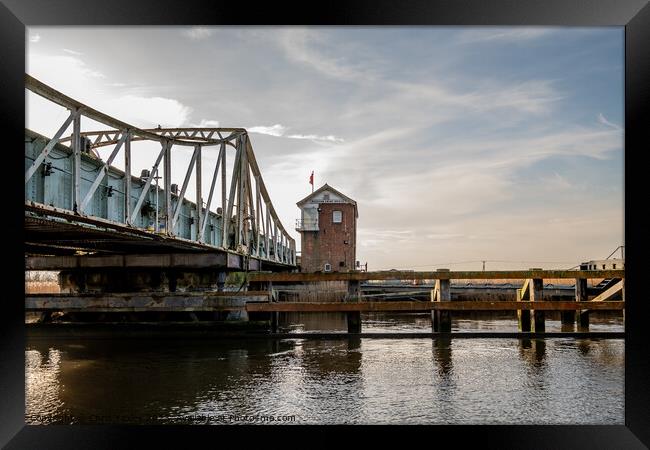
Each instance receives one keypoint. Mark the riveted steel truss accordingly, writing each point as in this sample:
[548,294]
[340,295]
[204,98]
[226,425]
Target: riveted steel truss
[246,220]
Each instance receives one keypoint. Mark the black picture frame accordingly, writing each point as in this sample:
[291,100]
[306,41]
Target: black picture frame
[633,14]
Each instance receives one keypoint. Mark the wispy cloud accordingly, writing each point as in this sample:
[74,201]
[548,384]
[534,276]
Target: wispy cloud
[279,130]
[148,111]
[274,130]
[556,182]
[315,137]
[302,45]
[72,52]
[206,123]
[199,33]
[72,76]
[604,121]
[502,35]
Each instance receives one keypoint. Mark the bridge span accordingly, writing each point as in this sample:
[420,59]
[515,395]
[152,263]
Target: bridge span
[79,204]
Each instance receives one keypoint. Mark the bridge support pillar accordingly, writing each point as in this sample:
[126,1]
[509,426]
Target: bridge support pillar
[441,320]
[582,315]
[537,319]
[354,321]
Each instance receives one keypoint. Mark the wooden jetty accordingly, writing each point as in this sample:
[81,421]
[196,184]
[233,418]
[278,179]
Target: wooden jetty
[257,298]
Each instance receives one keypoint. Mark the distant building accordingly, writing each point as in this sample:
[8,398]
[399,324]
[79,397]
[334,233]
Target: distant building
[328,231]
[603,264]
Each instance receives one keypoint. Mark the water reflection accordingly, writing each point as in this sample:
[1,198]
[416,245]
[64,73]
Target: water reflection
[533,351]
[442,356]
[352,380]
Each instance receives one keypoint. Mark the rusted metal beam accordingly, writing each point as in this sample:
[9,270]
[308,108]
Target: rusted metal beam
[142,302]
[428,306]
[204,260]
[459,275]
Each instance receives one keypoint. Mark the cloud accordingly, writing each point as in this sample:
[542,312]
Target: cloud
[279,130]
[206,124]
[34,38]
[73,77]
[299,45]
[318,51]
[314,137]
[556,182]
[274,130]
[72,52]
[514,35]
[146,112]
[604,121]
[199,33]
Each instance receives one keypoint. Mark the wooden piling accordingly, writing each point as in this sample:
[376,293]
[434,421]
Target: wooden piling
[536,292]
[435,323]
[354,321]
[441,320]
[275,321]
[354,291]
[523,316]
[353,317]
[582,316]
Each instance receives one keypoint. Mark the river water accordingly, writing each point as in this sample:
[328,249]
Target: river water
[316,381]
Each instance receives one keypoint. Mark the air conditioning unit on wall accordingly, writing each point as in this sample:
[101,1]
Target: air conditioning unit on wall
[328,267]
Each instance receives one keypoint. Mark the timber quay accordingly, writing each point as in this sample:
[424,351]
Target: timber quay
[255,301]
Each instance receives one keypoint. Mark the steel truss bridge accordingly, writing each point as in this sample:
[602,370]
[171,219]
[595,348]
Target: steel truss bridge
[77,203]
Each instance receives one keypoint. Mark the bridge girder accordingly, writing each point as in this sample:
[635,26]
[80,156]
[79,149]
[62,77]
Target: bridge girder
[246,209]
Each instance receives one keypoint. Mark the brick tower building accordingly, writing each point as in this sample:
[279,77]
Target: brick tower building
[328,231]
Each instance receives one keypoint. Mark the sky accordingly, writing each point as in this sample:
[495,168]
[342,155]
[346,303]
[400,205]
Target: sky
[459,144]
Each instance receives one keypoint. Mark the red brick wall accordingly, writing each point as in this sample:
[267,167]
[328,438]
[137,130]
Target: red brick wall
[327,245]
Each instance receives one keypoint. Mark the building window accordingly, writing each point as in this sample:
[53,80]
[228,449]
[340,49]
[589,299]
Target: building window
[328,267]
[603,266]
[614,266]
[337,216]
[326,197]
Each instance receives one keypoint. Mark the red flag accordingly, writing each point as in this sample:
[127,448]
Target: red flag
[311,178]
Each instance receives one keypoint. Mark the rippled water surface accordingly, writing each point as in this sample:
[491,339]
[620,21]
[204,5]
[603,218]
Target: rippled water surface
[299,381]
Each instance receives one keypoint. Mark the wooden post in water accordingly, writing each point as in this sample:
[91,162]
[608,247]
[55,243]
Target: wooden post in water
[582,315]
[536,292]
[275,315]
[275,320]
[354,321]
[523,316]
[442,293]
[435,314]
[568,318]
[353,317]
